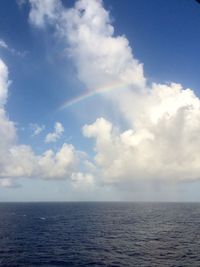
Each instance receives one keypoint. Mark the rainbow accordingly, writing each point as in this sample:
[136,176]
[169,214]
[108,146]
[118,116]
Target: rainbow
[90,93]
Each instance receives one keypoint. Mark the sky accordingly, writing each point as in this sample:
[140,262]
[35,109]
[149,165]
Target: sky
[99,100]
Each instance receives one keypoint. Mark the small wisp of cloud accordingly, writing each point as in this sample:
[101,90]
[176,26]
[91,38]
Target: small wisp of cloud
[4,45]
[56,134]
[36,129]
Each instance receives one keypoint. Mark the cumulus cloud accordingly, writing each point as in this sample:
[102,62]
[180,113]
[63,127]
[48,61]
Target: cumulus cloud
[43,11]
[57,134]
[164,146]
[100,57]
[162,141]
[21,161]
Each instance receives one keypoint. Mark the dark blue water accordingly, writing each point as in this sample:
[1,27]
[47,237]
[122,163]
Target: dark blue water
[99,234]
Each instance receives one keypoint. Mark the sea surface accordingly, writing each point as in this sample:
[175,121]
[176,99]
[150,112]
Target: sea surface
[99,234]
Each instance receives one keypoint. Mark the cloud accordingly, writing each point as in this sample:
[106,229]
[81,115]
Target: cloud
[164,146]
[57,134]
[3,44]
[8,183]
[162,140]
[42,11]
[100,57]
[82,181]
[37,129]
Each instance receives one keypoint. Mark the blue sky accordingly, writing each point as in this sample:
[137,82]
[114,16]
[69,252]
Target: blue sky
[110,147]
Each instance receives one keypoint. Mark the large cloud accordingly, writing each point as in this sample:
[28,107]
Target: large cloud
[162,141]
[100,57]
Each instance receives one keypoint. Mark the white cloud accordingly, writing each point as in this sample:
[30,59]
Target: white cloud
[62,163]
[56,135]
[82,181]
[163,145]
[42,10]
[21,161]
[100,57]
[162,141]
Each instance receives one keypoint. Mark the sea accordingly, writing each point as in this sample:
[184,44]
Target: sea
[99,234]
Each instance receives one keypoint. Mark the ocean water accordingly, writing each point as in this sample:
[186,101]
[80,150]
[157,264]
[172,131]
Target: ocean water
[99,234]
